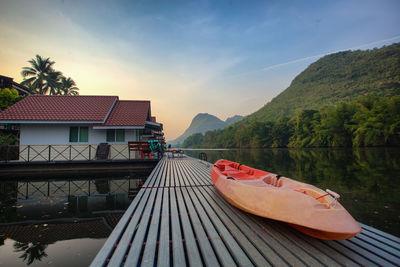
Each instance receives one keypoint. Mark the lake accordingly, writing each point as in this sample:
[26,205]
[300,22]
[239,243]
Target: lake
[60,222]
[367,179]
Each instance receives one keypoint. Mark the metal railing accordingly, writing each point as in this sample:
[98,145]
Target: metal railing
[28,189]
[30,153]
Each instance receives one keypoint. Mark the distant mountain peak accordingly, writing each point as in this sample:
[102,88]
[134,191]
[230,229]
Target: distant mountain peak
[203,122]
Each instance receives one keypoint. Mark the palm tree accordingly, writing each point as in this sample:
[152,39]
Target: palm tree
[52,83]
[68,87]
[43,77]
[32,251]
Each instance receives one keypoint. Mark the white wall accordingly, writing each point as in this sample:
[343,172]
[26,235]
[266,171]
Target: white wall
[35,134]
[58,134]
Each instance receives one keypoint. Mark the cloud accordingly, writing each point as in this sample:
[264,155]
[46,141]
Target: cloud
[365,46]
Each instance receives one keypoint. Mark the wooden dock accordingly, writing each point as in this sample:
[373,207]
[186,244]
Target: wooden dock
[179,219]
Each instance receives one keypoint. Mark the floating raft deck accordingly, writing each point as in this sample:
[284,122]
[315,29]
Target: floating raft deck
[179,219]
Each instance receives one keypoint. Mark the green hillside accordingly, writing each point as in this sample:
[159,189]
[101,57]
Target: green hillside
[339,77]
[344,99]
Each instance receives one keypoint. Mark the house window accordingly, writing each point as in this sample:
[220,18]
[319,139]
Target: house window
[78,134]
[115,135]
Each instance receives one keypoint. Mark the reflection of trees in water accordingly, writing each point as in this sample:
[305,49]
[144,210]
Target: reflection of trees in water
[32,251]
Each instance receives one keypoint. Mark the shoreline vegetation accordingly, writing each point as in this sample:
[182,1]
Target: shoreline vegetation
[368,121]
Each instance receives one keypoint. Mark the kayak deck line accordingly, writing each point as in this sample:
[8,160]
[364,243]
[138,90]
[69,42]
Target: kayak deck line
[178,218]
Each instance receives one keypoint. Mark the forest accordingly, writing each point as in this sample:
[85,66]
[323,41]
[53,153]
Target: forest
[368,121]
[336,78]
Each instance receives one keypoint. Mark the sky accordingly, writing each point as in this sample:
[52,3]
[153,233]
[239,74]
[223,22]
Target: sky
[188,57]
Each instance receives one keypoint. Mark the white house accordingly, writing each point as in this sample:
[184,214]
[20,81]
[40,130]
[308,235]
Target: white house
[73,126]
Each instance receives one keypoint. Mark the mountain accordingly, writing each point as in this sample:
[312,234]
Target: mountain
[233,119]
[202,123]
[338,77]
[349,98]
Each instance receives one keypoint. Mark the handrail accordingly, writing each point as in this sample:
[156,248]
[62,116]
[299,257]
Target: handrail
[48,153]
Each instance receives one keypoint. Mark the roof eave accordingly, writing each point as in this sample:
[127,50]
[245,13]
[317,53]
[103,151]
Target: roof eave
[106,127]
[46,122]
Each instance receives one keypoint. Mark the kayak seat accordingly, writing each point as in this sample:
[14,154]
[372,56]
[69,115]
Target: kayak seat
[267,181]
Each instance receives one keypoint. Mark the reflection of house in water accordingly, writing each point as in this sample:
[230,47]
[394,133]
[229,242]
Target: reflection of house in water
[70,209]
[32,239]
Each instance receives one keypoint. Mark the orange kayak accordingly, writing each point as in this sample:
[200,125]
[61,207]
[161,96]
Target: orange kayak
[303,206]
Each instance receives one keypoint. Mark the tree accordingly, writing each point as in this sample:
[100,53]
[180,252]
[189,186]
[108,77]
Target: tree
[8,97]
[68,87]
[41,75]
[42,78]
[32,251]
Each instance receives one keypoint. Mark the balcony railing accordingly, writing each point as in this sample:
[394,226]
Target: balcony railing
[30,153]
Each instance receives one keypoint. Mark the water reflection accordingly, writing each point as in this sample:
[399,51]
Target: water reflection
[38,216]
[31,251]
[368,179]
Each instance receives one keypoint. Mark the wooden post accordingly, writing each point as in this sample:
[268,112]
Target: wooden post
[49,152]
[90,152]
[29,150]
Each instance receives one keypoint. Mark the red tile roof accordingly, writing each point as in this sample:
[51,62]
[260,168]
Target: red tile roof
[128,113]
[60,108]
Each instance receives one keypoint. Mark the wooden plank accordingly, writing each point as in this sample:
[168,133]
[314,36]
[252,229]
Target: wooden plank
[171,178]
[149,254]
[116,234]
[360,259]
[160,175]
[203,173]
[381,233]
[182,178]
[381,239]
[325,251]
[123,246]
[208,254]
[177,245]
[194,180]
[394,259]
[150,180]
[163,259]
[192,251]
[186,179]
[297,238]
[219,247]
[167,177]
[384,246]
[137,242]
[109,245]
[174,175]
[236,250]
[279,254]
